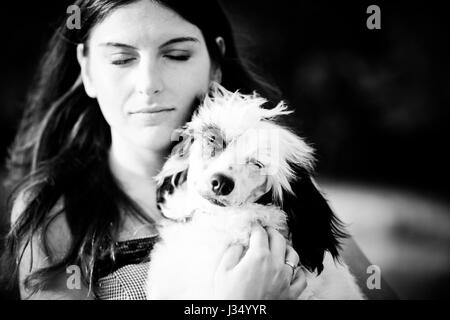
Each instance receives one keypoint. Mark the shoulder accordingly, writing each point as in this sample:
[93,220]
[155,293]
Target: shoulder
[55,226]
[37,253]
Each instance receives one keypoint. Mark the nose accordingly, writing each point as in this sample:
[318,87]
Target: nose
[221,184]
[149,79]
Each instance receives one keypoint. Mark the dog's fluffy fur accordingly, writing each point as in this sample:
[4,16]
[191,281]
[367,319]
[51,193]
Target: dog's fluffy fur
[237,166]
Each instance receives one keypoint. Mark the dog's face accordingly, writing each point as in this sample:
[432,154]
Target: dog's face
[229,170]
[234,152]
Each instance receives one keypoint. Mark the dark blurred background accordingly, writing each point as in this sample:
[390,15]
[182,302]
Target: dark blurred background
[374,103]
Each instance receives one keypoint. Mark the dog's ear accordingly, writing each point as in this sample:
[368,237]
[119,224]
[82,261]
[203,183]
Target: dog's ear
[168,186]
[266,198]
[313,226]
[175,169]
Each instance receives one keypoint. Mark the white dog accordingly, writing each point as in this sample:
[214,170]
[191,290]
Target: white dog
[234,168]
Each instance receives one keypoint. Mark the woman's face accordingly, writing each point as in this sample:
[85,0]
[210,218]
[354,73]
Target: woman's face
[146,65]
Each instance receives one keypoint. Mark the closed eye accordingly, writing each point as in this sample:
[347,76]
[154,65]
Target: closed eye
[122,59]
[178,57]
[259,165]
[256,163]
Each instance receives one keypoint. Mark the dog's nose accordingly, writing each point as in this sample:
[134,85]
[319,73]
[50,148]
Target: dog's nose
[221,184]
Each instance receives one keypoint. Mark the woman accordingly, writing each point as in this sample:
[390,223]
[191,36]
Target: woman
[91,141]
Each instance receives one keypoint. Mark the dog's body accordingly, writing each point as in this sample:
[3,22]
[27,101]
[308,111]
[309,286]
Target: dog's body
[213,199]
[183,263]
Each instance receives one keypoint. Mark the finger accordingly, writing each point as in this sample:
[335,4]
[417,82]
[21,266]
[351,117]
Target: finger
[277,244]
[298,284]
[258,239]
[292,256]
[231,257]
[291,262]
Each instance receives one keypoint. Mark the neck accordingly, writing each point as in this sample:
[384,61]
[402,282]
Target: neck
[139,163]
[134,167]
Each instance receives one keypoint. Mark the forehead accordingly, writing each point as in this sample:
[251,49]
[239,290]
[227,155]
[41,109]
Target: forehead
[143,23]
[262,140]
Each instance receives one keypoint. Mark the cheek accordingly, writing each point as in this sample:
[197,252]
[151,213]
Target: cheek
[112,91]
[252,179]
[187,84]
[111,108]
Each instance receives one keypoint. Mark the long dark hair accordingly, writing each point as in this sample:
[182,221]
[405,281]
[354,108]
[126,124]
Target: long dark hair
[61,148]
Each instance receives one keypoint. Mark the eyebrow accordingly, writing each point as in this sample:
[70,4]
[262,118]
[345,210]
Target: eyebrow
[165,44]
[178,40]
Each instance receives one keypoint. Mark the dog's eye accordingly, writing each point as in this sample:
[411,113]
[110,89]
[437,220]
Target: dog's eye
[209,148]
[213,145]
[259,165]
[211,140]
[256,163]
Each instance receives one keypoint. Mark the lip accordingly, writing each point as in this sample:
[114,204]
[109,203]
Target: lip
[215,201]
[152,109]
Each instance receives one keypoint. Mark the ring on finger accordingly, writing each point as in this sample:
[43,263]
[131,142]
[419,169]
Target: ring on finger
[294,267]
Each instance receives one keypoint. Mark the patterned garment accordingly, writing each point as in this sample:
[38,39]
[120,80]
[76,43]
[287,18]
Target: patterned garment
[124,278]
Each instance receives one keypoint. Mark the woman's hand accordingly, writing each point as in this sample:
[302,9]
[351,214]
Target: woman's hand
[262,273]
